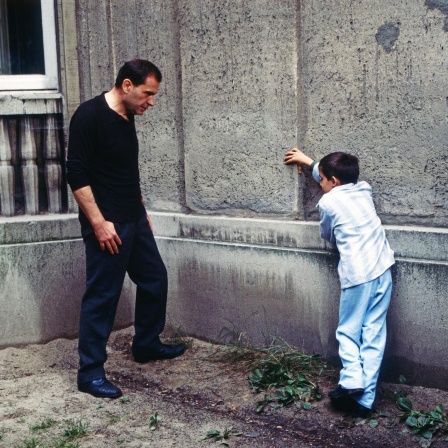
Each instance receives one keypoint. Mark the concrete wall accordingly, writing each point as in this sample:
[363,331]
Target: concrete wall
[264,278]
[42,272]
[243,82]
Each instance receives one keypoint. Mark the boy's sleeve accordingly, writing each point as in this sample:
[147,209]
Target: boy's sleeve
[326,226]
[316,176]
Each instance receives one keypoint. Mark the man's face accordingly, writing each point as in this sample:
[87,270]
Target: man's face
[138,98]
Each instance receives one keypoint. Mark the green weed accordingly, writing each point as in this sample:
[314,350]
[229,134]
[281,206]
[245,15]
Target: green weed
[426,424]
[113,418]
[154,421]
[290,373]
[46,423]
[215,435]
[63,443]
[276,367]
[177,335]
[75,429]
[32,443]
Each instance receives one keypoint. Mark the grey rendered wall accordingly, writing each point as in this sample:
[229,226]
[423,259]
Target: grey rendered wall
[244,81]
[375,84]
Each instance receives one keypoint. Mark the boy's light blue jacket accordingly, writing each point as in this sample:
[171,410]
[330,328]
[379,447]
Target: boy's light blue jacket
[348,219]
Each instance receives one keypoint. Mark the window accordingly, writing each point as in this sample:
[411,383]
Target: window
[27,45]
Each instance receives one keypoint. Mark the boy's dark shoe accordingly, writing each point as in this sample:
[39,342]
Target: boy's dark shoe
[349,405]
[340,392]
[161,351]
[100,388]
[361,411]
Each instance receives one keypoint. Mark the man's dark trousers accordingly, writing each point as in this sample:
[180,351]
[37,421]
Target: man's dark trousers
[139,257]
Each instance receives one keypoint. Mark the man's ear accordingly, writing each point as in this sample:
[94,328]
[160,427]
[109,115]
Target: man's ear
[126,85]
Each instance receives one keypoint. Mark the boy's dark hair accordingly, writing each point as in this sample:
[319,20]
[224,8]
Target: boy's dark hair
[341,165]
[137,71]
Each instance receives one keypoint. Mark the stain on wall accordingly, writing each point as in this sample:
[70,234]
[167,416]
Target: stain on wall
[387,35]
[441,5]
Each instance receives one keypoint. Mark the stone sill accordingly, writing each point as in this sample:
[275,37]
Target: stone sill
[30,102]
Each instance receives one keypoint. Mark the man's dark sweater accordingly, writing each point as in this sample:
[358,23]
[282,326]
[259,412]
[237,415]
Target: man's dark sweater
[103,154]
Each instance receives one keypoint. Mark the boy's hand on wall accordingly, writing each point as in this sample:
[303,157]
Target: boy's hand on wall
[296,156]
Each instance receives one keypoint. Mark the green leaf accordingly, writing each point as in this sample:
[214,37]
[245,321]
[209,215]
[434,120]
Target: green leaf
[435,415]
[412,422]
[404,403]
[424,443]
[213,433]
[423,420]
[402,379]
[373,423]
[307,406]
[427,434]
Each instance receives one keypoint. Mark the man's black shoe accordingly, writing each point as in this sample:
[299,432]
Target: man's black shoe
[161,351]
[100,388]
[340,392]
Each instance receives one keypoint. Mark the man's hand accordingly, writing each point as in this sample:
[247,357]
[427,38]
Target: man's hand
[104,230]
[107,236]
[294,155]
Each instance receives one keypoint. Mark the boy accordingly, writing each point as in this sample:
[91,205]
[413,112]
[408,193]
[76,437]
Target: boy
[348,219]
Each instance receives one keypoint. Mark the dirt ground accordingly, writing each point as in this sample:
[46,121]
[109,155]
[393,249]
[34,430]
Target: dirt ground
[41,407]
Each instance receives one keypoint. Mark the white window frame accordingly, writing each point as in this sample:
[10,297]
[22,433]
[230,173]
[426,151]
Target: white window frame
[49,81]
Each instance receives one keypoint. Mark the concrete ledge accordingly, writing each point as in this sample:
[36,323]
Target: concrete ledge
[39,228]
[428,243]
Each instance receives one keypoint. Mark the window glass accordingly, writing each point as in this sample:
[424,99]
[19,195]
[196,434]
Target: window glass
[22,48]
[28,58]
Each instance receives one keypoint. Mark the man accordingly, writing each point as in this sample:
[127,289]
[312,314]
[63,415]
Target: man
[103,173]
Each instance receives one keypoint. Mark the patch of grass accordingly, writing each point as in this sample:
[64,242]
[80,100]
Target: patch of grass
[31,443]
[214,435]
[177,335]
[113,418]
[63,443]
[46,423]
[75,429]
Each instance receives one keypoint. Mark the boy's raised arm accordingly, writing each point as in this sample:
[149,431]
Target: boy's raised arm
[296,156]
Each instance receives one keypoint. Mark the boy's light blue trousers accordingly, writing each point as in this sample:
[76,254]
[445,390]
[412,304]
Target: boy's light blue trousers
[361,334]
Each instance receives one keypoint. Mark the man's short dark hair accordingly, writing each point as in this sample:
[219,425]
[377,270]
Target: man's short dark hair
[137,71]
[341,165]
